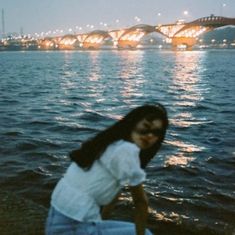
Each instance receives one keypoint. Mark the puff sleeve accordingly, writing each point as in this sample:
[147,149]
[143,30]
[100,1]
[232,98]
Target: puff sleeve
[125,165]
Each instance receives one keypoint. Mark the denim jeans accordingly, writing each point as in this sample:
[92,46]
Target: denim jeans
[58,224]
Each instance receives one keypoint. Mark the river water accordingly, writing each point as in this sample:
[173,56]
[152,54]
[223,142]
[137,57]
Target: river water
[50,102]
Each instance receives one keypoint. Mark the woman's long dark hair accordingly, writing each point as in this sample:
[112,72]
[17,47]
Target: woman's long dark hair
[92,149]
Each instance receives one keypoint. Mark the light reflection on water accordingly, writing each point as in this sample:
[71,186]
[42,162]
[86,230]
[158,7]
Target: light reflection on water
[187,93]
[95,68]
[131,74]
[178,160]
[186,78]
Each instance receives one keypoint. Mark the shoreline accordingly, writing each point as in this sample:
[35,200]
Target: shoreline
[22,216]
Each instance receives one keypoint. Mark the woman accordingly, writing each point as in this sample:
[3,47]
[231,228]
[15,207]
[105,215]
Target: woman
[104,164]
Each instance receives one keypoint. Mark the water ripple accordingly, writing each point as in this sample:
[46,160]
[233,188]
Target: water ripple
[51,102]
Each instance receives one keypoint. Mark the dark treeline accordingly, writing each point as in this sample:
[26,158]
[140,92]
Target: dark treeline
[219,35]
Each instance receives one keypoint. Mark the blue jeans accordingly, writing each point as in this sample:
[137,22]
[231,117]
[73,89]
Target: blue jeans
[58,224]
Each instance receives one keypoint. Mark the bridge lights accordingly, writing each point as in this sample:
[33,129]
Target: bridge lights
[115,43]
[78,28]
[168,40]
[181,21]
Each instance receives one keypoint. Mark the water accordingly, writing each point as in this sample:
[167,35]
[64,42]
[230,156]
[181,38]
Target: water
[52,101]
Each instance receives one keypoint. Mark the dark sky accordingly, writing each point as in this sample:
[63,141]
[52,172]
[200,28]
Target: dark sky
[37,16]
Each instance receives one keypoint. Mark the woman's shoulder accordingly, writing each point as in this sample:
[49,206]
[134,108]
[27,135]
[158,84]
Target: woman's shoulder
[121,148]
[124,163]
[124,145]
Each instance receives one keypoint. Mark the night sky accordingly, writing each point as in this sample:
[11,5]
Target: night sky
[36,16]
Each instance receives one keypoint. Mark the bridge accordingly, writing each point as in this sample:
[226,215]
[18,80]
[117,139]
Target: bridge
[179,33]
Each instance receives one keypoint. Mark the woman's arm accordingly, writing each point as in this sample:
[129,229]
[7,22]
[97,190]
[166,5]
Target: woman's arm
[107,209]
[141,208]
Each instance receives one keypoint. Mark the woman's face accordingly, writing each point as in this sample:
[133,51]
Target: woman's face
[147,133]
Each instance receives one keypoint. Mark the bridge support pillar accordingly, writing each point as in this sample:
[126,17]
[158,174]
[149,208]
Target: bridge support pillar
[127,44]
[89,45]
[188,42]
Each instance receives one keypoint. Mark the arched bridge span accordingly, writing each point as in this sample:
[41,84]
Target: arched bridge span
[187,33]
[178,33]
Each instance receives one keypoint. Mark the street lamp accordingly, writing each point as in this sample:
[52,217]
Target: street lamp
[222,6]
[117,21]
[186,14]
[137,19]
[159,14]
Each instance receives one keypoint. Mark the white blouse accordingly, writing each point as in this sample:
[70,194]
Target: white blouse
[79,194]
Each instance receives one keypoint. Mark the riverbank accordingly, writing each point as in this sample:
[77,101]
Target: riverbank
[20,216]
